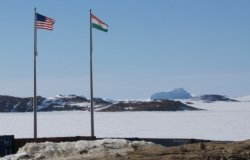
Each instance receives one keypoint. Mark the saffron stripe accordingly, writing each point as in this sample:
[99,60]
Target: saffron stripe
[97,19]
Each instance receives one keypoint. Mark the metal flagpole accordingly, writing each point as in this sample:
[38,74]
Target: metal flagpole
[35,98]
[91,80]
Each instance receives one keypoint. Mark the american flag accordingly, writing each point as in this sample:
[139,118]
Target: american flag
[43,22]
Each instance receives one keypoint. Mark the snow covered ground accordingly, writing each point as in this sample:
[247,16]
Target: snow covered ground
[220,121]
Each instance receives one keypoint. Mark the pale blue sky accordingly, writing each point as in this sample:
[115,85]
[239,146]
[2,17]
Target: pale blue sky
[151,46]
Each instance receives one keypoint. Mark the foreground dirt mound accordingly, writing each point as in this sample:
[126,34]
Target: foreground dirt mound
[119,149]
[200,151]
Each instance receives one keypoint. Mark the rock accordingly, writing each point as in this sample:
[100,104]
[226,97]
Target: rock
[57,103]
[202,146]
[213,98]
[165,105]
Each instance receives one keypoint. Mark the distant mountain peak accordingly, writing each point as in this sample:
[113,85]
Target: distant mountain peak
[178,93]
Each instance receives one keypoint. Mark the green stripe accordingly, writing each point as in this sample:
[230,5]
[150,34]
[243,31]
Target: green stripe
[99,27]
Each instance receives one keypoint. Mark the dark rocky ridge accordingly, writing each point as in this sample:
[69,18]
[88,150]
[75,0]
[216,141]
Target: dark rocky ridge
[214,98]
[15,104]
[164,105]
[73,102]
[58,103]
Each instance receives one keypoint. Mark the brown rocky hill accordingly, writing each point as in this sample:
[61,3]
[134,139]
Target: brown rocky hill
[162,105]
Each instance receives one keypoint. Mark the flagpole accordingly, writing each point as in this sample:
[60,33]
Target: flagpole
[91,79]
[35,98]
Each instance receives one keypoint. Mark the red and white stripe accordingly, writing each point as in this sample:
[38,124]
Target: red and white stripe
[48,24]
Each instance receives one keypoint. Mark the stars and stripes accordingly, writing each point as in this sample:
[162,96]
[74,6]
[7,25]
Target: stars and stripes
[43,22]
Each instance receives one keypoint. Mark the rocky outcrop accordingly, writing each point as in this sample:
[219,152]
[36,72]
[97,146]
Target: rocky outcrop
[213,98]
[57,103]
[166,105]
[16,104]
[73,102]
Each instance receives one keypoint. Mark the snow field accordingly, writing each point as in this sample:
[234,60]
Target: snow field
[220,121]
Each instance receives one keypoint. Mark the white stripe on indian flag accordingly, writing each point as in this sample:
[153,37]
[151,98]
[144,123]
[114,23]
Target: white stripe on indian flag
[95,21]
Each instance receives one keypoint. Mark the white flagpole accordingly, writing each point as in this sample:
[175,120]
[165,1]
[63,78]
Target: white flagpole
[35,98]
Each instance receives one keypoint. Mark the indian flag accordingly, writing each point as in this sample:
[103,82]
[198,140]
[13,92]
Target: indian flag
[98,24]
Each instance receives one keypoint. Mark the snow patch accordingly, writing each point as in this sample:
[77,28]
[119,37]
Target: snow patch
[129,108]
[51,100]
[83,104]
[17,105]
[77,150]
[66,96]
